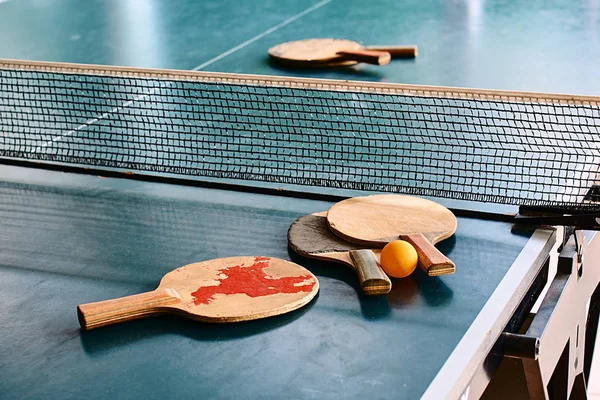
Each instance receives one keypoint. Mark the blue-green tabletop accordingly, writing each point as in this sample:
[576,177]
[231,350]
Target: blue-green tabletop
[71,239]
[68,239]
[550,46]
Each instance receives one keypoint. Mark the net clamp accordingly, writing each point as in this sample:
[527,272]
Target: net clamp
[579,221]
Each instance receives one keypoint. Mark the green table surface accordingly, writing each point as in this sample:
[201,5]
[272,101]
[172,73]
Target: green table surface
[68,239]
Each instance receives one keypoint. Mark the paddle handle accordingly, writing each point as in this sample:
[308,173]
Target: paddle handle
[397,51]
[108,312]
[373,280]
[366,56]
[431,260]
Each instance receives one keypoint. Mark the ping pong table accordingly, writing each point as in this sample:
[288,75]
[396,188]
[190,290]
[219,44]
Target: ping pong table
[73,236]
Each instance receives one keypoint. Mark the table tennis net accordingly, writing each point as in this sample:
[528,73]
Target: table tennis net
[502,147]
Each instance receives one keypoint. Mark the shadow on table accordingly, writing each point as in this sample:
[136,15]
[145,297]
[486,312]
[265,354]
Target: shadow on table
[106,338]
[350,72]
[404,291]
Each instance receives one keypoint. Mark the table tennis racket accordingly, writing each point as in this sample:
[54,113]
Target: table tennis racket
[376,220]
[221,290]
[326,52]
[310,236]
[409,51]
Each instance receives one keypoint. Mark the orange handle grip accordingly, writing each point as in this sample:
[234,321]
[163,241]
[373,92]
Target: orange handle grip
[431,260]
[366,56]
[108,312]
[397,51]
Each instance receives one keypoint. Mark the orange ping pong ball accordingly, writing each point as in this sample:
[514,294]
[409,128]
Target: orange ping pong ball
[399,259]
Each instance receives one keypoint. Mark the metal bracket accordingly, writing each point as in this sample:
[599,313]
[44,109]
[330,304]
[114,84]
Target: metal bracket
[553,348]
[580,221]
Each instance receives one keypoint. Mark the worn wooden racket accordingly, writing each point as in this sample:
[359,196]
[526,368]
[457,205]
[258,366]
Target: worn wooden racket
[310,237]
[336,52]
[220,290]
[326,53]
[376,220]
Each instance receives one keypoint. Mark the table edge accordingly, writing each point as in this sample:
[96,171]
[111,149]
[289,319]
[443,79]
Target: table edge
[453,379]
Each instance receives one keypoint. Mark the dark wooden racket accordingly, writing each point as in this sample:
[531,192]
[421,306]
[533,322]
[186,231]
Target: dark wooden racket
[310,237]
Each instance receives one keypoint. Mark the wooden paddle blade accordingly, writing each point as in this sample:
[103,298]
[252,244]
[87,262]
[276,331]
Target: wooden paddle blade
[397,51]
[366,56]
[310,236]
[431,260]
[108,312]
[376,220]
[373,280]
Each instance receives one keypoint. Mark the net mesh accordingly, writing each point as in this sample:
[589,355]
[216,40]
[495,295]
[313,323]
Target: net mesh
[536,150]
